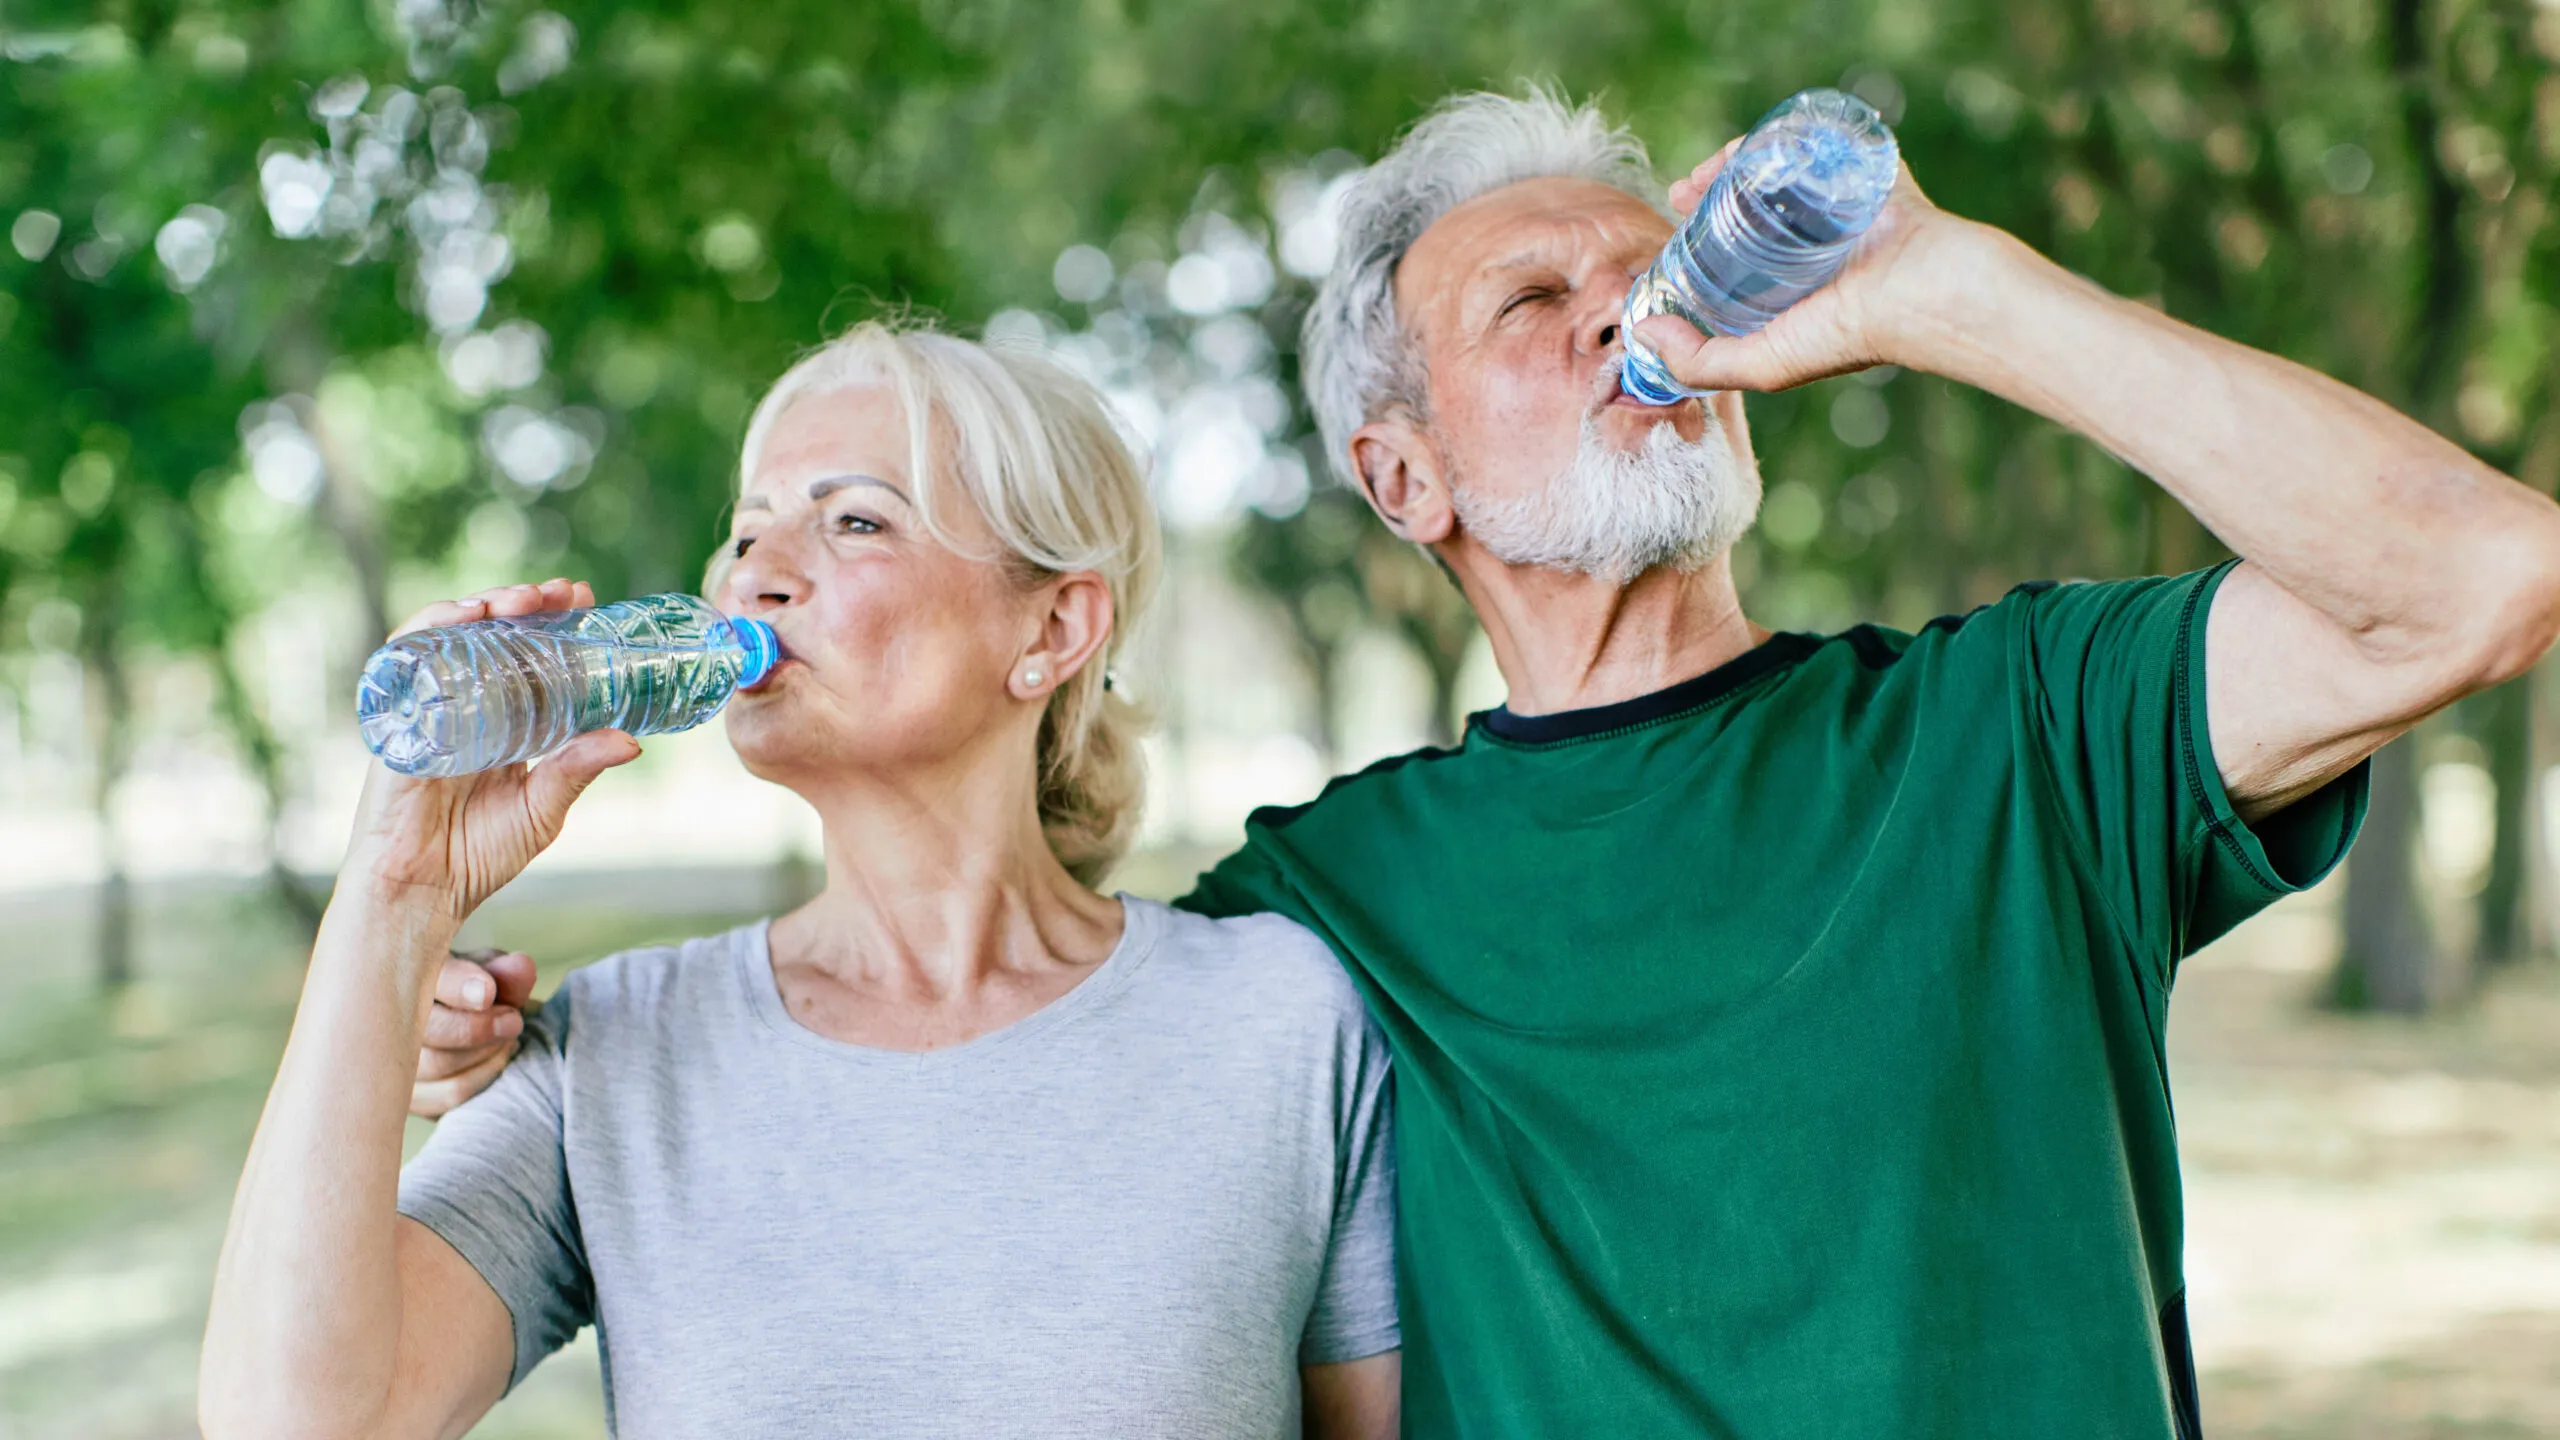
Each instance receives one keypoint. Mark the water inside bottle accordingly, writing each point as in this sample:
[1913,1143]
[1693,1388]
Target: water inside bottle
[1776,225]
[468,697]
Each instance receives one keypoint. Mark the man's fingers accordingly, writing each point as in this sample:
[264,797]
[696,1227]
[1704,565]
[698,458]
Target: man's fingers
[514,972]
[433,1099]
[1765,360]
[463,982]
[435,1063]
[1692,187]
[1701,363]
[469,1030]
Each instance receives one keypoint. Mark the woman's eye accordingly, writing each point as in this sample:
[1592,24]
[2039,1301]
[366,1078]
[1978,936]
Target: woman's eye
[739,547]
[856,525]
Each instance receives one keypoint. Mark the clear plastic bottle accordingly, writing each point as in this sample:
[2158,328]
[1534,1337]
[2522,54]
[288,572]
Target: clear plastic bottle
[1777,223]
[469,697]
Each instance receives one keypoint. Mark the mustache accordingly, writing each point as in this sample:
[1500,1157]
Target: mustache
[1605,387]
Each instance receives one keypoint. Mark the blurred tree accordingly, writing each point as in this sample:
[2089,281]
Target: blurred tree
[479,290]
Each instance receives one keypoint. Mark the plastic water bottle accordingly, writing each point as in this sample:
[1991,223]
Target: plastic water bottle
[469,697]
[1776,224]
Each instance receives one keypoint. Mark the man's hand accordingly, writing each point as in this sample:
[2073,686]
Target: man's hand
[481,1000]
[2389,572]
[1903,272]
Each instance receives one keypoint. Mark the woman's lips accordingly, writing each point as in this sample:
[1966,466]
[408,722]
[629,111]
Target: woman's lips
[766,682]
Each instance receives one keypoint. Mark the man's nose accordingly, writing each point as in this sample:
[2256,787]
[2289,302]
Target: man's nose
[1606,298]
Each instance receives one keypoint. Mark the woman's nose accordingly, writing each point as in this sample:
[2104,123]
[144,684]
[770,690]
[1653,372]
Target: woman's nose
[766,577]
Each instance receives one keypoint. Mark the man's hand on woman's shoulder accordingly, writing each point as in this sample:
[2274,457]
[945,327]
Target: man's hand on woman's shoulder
[482,998]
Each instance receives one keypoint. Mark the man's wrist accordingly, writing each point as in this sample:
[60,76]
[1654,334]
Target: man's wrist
[1978,282]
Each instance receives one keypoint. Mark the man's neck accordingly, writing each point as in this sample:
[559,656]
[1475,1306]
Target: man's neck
[1570,642]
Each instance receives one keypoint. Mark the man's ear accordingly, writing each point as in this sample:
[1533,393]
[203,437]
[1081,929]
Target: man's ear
[1400,476]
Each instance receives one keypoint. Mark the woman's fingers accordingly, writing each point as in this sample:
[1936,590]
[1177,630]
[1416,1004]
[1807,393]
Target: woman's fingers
[503,600]
[566,772]
[432,1099]
[444,612]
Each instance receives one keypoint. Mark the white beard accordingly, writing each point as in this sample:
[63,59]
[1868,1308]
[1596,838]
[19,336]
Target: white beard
[1614,514]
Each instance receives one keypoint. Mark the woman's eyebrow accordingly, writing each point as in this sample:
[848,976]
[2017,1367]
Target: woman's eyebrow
[821,489]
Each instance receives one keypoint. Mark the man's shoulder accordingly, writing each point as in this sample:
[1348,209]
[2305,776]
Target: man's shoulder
[1362,787]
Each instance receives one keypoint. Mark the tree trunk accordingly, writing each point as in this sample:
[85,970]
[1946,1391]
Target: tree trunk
[2539,906]
[266,758]
[2505,728]
[110,738]
[2391,961]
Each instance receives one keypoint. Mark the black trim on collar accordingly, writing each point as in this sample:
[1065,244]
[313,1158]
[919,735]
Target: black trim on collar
[1779,650]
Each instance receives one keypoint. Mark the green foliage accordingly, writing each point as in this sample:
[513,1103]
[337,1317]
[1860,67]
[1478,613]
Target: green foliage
[541,261]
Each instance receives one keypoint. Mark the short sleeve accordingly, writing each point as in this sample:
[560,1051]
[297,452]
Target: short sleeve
[2114,685]
[1245,883]
[493,1181]
[1354,1315]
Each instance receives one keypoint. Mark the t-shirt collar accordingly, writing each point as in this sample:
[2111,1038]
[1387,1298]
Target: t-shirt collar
[1779,650]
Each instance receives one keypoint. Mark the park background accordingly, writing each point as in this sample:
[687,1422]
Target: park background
[312,312]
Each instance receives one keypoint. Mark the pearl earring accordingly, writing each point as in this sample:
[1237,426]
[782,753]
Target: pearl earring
[1033,676]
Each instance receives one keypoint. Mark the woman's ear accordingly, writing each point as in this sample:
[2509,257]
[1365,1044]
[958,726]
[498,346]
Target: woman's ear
[1073,631]
[1399,474]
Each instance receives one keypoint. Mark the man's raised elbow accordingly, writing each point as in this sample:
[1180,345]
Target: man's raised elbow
[2519,576]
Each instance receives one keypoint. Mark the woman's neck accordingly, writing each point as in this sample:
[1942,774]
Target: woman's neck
[945,915]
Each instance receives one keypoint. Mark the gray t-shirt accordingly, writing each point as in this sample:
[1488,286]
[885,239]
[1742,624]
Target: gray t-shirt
[1135,1212]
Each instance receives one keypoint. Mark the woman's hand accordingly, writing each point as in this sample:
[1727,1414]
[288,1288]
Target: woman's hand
[451,843]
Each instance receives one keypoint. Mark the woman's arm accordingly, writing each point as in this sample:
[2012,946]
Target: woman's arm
[1355,1400]
[332,1316]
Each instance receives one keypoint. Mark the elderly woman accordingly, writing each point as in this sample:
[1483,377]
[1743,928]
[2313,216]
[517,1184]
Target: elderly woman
[962,1147]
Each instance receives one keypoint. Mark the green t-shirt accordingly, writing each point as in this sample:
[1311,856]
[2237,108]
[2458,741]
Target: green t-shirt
[1782,1054]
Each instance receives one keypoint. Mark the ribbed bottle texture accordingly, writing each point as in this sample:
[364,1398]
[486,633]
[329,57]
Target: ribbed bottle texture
[1777,223]
[472,697]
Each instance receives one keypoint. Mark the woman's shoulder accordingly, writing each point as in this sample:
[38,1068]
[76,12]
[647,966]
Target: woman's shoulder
[1266,959]
[655,984]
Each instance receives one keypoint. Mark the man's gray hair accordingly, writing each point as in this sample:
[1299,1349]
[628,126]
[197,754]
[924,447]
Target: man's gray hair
[1356,361]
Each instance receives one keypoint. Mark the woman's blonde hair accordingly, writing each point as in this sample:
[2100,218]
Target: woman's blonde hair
[1034,449]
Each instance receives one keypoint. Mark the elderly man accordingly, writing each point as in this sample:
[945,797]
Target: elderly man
[1779,1019]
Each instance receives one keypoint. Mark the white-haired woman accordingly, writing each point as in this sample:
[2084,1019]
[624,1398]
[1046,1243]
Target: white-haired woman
[961,1147]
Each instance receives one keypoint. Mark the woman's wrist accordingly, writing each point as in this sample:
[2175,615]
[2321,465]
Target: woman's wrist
[381,915]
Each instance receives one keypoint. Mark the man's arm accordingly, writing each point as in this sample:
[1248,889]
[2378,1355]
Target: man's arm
[1354,1400]
[2388,572]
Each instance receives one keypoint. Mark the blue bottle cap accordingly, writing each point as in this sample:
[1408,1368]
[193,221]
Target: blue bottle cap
[763,647]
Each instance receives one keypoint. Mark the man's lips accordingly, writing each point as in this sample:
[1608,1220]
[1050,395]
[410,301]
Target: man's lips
[1607,390]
